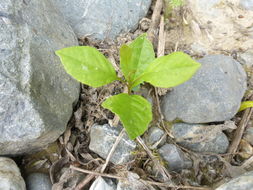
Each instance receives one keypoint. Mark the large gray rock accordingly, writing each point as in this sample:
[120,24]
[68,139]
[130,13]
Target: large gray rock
[243,182]
[39,181]
[175,158]
[10,177]
[102,138]
[36,94]
[200,138]
[102,19]
[213,94]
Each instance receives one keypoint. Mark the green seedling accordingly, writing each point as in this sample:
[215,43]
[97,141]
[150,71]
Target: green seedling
[138,65]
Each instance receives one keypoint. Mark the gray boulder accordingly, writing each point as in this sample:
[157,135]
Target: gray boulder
[102,138]
[243,182]
[36,94]
[213,94]
[175,158]
[200,138]
[103,19]
[10,177]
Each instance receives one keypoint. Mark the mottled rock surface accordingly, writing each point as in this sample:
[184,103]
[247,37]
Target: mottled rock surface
[102,138]
[103,19]
[246,58]
[247,4]
[175,158]
[200,138]
[38,181]
[10,177]
[101,184]
[243,182]
[213,94]
[133,183]
[154,135]
[36,94]
[248,135]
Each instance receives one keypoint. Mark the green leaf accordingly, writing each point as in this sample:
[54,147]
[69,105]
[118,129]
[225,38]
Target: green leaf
[245,105]
[135,57]
[87,65]
[170,70]
[134,112]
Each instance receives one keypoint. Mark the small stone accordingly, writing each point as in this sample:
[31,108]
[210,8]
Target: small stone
[10,177]
[133,183]
[101,184]
[198,49]
[154,135]
[247,4]
[243,182]
[248,136]
[102,19]
[39,181]
[200,138]
[102,138]
[213,94]
[175,157]
[246,58]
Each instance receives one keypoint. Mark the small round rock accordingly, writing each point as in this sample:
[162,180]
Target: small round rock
[38,181]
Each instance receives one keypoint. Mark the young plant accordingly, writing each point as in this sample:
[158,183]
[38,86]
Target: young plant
[138,64]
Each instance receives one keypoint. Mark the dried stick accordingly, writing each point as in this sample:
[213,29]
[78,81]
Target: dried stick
[239,132]
[155,20]
[96,173]
[154,159]
[86,180]
[161,39]
[144,181]
[113,150]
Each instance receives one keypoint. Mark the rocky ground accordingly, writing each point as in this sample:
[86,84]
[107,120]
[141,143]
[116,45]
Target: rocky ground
[59,135]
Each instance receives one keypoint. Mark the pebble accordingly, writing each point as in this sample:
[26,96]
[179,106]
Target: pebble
[133,183]
[248,136]
[102,138]
[200,138]
[38,181]
[175,158]
[101,184]
[154,135]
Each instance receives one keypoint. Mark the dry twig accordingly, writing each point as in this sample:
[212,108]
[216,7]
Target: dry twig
[239,132]
[155,20]
[112,150]
[144,181]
